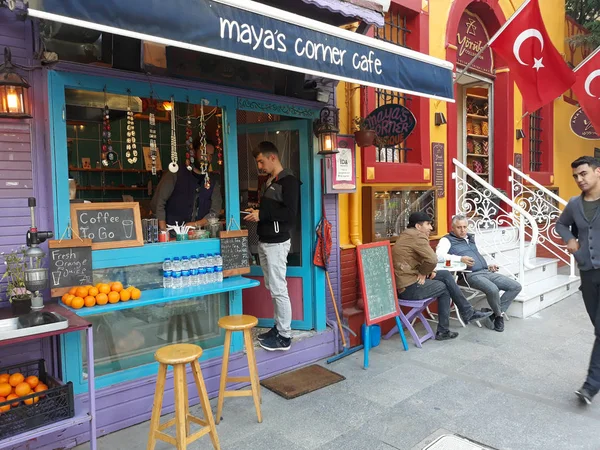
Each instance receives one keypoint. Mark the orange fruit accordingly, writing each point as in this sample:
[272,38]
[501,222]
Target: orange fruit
[135,294]
[125,295]
[93,291]
[22,389]
[117,286]
[77,303]
[101,299]
[4,378]
[31,401]
[113,297]
[4,408]
[32,381]
[64,297]
[73,290]
[15,379]
[40,388]
[89,301]
[69,299]
[12,397]
[82,292]
[5,389]
[104,288]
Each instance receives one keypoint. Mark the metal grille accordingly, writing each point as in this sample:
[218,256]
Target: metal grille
[395,31]
[535,141]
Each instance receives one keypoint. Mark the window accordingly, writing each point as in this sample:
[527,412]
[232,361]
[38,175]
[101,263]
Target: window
[535,141]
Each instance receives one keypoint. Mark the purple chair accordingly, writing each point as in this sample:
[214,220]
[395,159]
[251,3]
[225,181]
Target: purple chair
[417,308]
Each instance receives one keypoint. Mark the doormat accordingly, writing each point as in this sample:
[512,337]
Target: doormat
[453,442]
[301,381]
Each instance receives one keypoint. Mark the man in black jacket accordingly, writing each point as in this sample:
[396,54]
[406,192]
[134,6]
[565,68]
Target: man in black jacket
[276,216]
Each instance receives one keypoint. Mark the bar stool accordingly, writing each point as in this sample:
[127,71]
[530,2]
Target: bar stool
[239,323]
[178,355]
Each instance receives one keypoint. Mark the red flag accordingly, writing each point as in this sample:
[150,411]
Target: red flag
[587,87]
[536,66]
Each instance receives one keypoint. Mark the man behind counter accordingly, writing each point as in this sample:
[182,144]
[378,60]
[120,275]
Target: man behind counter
[182,197]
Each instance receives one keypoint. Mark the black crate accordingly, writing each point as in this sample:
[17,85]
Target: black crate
[56,405]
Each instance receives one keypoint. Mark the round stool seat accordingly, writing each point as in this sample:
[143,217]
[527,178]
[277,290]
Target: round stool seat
[178,354]
[238,323]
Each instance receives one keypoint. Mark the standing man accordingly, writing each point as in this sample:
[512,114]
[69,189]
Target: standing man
[414,266]
[459,245]
[276,216]
[582,211]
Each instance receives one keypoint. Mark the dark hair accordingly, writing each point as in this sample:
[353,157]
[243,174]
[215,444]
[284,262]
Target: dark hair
[196,143]
[265,148]
[594,163]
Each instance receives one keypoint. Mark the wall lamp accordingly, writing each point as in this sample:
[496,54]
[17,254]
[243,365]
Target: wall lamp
[326,128]
[520,134]
[13,90]
[440,119]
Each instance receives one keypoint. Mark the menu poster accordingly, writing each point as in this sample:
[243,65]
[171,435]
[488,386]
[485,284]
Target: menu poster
[340,169]
[438,168]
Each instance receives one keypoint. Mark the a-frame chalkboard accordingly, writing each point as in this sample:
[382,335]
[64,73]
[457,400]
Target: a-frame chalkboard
[234,250]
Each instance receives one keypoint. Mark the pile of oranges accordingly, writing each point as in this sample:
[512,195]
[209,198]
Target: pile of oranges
[15,386]
[101,294]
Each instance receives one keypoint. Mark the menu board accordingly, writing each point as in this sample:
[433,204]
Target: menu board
[438,168]
[234,250]
[377,282]
[108,225]
[70,264]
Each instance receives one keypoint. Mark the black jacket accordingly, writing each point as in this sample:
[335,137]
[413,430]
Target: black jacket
[278,209]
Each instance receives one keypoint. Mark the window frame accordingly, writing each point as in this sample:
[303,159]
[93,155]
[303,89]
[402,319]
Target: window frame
[545,174]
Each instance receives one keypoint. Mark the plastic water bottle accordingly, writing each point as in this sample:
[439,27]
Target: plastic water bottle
[177,280]
[193,262]
[210,260]
[202,276]
[218,274]
[201,261]
[210,275]
[185,278]
[193,277]
[185,263]
[167,279]
[167,265]
[176,266]
[218,260]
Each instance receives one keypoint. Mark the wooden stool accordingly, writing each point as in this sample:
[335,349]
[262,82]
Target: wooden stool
[239,323]
[178,355]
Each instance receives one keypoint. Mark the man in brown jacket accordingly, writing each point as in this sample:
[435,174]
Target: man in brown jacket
[414,266]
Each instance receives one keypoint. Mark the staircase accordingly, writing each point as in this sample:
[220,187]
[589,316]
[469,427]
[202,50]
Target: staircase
[512,229]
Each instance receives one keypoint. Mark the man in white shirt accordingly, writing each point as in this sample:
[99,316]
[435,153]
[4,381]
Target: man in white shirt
[459,245]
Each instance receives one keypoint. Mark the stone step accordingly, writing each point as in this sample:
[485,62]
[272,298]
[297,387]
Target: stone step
[543,268]
[542,294]
[506,256]
[497,238]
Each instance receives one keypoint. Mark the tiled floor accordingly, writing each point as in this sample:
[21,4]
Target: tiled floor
[511,390]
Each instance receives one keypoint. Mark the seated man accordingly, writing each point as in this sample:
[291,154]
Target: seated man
[414,263]
[460,246]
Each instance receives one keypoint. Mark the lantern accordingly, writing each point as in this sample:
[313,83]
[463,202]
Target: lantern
[326,129]
[13,90]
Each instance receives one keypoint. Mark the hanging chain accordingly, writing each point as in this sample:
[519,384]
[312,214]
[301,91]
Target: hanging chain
[173,166]
[152,135]
[189,154]
[219,143]
[131,154]
[106,135]
[203,153]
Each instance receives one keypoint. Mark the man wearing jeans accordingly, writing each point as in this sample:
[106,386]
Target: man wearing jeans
[414,263]
[276,216]
[459,245]
[582,211]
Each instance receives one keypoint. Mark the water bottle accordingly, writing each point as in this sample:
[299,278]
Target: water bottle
[201,261]
[202,276]
[185,263]
[167,279]
[210,275]
[176,266]
[193,262]
[218,274]
[185,278]
[176,280]
[167,265]
[194,277]
[209,260]
[218,260]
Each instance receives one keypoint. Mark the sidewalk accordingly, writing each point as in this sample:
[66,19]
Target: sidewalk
[511,390]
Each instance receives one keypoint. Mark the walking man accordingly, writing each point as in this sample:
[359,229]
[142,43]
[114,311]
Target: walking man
[582,211]
[276,216]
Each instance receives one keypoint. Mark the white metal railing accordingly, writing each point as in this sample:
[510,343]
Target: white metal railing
[503,227]
[542,204]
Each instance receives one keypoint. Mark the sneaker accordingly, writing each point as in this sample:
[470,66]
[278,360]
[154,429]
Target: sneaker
[585,395]
[275,343]
[489,322]
[445,335]
[269,334]
[478,315]
[499,324]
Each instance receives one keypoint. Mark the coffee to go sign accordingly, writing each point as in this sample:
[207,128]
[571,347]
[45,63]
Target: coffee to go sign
[392,123]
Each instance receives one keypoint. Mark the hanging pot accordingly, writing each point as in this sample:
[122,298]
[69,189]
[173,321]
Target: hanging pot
[365,138]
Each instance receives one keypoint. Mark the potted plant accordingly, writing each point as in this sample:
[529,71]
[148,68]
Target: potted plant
[16,292]
[363,134]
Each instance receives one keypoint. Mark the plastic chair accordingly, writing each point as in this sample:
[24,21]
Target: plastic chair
[416,312]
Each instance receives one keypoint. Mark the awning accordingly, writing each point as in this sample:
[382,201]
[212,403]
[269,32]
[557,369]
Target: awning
[249,31]
[364,10]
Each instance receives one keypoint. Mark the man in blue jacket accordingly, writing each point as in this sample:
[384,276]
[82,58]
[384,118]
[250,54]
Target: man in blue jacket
[582,211]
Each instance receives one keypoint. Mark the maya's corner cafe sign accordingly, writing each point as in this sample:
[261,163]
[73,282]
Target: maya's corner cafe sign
[257,33]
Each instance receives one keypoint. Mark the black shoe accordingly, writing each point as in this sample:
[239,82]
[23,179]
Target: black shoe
[269,334]
[499,324]
[275,343]
[445,335]
[489,322]
[585,395]
[478,315]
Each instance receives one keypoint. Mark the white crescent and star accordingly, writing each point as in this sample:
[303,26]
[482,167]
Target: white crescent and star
[588,82]
[529,33]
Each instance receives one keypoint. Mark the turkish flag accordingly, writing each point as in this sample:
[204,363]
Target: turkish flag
[536,66]
[587,88]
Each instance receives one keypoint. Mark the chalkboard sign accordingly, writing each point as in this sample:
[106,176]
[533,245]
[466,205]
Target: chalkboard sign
[108,225]
[377,281]
[234,250]
[70,264]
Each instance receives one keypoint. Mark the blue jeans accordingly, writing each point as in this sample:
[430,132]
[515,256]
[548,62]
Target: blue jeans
[590,288]
[491,283]
[444,288]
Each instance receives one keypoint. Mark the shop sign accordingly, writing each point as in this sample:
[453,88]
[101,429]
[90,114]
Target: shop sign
[582,126]
[340,169]
[392,123]
[438,168]
[470,39]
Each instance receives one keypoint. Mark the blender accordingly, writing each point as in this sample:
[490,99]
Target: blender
[36,276]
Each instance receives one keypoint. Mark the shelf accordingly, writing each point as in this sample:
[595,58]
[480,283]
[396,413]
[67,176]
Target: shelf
[477,116]
[111,188]
[79,169]
[477,136]
[478,155]
[480,97]
[155,296]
